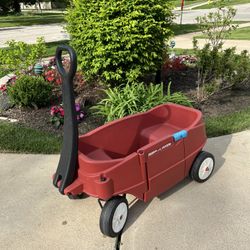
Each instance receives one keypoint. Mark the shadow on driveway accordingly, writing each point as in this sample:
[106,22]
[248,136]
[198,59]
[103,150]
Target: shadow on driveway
[217,146]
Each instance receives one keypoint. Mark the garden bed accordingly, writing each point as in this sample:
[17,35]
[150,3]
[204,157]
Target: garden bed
[222,103]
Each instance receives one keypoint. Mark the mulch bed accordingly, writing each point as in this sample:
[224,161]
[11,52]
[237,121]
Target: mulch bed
[220,104]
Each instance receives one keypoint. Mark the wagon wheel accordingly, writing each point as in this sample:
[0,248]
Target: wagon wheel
[114,216]
[77,196]
[203,167]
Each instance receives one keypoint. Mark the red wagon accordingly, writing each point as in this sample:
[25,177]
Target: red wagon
[142,155]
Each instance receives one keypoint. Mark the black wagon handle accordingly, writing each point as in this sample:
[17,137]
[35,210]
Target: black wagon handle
[68,164]
[73,61]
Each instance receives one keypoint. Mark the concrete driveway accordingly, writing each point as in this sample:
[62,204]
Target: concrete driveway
[213,215]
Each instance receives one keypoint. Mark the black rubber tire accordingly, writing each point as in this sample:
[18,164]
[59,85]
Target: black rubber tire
[107,215]
[77,196]
[194,173]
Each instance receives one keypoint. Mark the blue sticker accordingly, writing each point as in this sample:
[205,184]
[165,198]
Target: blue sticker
[180,135]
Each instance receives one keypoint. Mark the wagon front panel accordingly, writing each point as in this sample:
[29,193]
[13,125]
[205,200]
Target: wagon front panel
[194,143]
[104,179]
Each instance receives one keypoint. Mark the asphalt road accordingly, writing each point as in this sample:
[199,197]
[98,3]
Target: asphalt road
[56,32]
[189,16]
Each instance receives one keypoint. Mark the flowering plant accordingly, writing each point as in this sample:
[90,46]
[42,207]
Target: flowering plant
[4,86]
[178,63]
[57,115]
[52,75]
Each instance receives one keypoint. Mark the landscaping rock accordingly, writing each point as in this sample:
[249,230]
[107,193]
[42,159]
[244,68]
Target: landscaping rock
[5,102]
[6,78]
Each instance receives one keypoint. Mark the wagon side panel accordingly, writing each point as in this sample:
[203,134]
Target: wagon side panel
[165,167]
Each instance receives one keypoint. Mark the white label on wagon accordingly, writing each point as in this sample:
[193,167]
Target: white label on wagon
[159,149]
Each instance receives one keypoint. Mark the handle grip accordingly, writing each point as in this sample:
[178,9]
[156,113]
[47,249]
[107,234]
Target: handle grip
[73,61]
[68,163]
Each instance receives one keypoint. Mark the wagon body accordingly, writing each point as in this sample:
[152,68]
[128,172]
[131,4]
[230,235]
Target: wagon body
[143,154]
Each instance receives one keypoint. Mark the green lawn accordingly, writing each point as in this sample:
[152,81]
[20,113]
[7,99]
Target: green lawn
[227,3]
[177,3]
[183,51]
[51,47]
[181,29]
[228,124]
[16,138]
[238,34]
[30,19]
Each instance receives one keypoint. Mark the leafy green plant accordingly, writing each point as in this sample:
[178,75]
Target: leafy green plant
[240,75]
[119,41]
[30,91]
[220,69]
[134,98]
[19,56]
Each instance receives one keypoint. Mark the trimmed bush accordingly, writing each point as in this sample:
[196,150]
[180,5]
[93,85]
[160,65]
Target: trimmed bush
[30,91]
[134,98]
[119,41]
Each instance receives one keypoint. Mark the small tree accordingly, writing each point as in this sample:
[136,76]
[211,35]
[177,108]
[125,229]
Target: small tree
[121,40]
[215,66]
[218,25]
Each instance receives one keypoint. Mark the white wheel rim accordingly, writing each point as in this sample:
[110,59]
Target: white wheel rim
[206,168]
[120,217]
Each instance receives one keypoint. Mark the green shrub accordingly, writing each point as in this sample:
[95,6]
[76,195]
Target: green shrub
[30,91]
[119,41]
[220,69]
[19,56]
[134,98]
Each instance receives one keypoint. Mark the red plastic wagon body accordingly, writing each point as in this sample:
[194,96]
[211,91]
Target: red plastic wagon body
[143,154]
[139,154]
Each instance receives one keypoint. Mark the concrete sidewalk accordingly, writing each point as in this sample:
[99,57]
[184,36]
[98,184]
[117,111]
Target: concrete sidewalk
[213,215]
[186,41]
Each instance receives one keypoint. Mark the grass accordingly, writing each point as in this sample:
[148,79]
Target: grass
[177,3]
[181,29]
[30,19]
[226,3]
[238,34]
[228,124]
[51,47]
[19,139]
[183,51]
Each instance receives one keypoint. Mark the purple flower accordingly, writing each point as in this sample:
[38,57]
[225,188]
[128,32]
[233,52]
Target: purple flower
[78,107]
[81,115]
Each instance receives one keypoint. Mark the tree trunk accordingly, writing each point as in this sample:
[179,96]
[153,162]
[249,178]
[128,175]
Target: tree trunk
[16,6]
[40,7]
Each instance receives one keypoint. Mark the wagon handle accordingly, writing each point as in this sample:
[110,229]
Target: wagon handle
[73,61]
[68,163]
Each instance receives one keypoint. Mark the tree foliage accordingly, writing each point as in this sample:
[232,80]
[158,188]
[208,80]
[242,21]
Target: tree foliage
[119,41]
[13,5]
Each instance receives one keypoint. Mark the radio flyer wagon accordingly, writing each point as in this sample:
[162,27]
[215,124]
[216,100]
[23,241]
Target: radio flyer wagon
[143,154]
